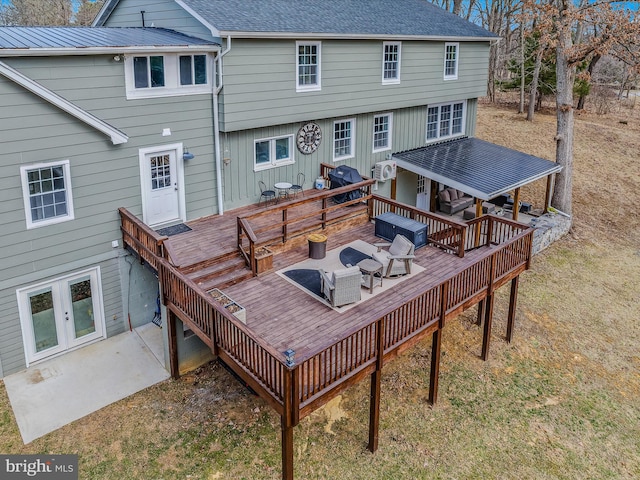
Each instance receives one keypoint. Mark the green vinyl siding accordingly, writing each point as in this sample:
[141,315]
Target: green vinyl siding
[260,79]
[159,13]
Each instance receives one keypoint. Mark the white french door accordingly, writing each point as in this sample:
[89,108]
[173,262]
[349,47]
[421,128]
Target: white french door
[160,171]
[423,193]
[61,315]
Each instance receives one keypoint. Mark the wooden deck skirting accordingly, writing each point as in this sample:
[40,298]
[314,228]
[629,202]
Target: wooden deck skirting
[503,251]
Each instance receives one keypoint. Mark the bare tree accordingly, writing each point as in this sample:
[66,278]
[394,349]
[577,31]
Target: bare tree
[564,23]
[37,12]
[87,11]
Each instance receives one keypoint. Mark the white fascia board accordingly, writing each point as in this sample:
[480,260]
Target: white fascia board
[117,137]
[109,6]
[52,52]
[353,36]
[214,31]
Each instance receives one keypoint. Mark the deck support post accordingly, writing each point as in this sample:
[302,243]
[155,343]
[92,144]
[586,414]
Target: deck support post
[374,397]
[547,195]
[488,318]
[513,299]
[173,344]
[287,449]
[480,312]
[436,344]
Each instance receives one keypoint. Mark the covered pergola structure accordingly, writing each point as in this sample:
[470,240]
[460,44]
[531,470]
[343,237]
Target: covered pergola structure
[481,169]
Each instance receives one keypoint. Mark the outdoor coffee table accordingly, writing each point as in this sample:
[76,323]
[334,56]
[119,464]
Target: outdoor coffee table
[370,267]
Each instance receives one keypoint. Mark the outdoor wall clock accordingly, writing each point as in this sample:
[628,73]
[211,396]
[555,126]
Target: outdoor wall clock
[309,138]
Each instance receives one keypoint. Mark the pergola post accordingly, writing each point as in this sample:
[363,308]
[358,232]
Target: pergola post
[547,196]
[173,344]
[513,298]
[516,204]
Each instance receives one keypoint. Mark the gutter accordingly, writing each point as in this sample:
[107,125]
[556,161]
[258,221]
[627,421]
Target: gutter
[216,125]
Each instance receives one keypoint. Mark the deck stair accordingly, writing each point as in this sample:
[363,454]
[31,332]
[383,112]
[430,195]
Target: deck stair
[223,270]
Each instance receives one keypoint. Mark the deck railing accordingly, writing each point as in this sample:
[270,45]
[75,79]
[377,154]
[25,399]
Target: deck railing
[444,232]
[140,238]
[358,352]
[316,377]
[286,220]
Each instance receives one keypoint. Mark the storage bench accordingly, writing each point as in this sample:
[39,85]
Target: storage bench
[389,224]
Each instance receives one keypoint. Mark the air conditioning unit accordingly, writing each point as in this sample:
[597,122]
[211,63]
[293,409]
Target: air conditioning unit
[385,170]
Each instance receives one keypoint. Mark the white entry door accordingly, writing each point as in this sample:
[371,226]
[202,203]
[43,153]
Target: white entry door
[423,193]
[160,186]
[61,315]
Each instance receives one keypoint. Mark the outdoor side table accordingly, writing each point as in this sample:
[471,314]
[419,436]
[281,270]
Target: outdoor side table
[283,189]
[369,268]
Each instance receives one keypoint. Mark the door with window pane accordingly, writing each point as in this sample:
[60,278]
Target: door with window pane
[61,315]
[160,188]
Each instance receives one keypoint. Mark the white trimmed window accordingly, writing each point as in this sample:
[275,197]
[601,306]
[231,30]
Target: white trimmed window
[382,128]
[273,152]
[308,66]
[451,61]
[166,75]
[391,62]
[46,189]
[344,132]
[445,120]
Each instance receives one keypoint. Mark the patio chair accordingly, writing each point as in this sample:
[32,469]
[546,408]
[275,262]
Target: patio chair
[342,286]
[398,259]
[296,188]
[265,194]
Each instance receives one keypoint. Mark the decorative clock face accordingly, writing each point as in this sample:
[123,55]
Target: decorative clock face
[309,138]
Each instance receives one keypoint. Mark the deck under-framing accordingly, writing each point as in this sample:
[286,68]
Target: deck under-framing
[332,350]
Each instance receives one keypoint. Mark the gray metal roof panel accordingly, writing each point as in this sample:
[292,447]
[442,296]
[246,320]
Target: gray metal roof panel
[479,168]
[93,37]
[340,17]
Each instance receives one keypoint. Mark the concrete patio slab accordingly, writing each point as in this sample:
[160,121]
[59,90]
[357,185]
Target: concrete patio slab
[58,391]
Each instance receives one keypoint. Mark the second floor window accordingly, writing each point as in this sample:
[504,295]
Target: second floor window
[450,61]
[148,71]
[382,132]
[391,62]
[308,66]
[193,69]
[166,75]
[445,120]
[343,137]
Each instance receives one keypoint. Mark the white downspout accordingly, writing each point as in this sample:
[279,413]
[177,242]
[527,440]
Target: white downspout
[216,127]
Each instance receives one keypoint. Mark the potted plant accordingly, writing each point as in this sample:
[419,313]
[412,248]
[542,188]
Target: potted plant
[263,260]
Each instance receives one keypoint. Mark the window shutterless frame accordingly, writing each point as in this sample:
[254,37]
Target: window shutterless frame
[273,152]
[308,71]
[344,134]
[46,191]
[451,54]
[445,120]
[382,132]
[391,62]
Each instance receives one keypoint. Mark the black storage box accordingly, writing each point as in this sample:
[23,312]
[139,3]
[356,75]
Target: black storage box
[525,207]
[388,225]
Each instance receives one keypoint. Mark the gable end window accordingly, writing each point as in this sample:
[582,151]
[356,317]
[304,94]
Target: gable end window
[166,75]
[451,61]
[343,139]
[273,152]
[307,66]
[445,120]
[382,127]
[46,190]
[391,63]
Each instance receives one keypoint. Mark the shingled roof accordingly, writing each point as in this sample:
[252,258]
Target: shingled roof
[89,39]
[338,18]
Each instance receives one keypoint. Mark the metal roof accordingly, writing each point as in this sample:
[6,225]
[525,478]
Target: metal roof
[481,169]
[78,40]
[353,18]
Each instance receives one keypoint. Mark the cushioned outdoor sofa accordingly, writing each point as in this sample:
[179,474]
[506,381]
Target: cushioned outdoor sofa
[452,200]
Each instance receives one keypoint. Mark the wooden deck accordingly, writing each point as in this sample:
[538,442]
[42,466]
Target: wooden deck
[332,350]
